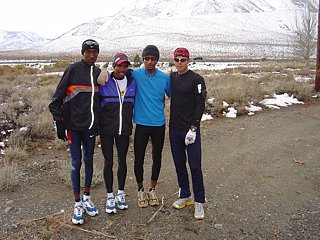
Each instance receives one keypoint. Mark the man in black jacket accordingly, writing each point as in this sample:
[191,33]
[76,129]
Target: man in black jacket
[188,94]
[74,108]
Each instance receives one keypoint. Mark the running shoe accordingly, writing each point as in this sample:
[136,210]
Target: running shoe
[142,199]
[77,217]
[198,211]
[111,205]
[89,206]
[153,199]
[121,201]
[182,202]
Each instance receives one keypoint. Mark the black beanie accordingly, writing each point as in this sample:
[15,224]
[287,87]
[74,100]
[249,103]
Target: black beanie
[89,44]
[150,50]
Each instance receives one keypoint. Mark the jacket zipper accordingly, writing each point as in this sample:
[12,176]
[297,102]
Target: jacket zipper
[92,96]
[120,107]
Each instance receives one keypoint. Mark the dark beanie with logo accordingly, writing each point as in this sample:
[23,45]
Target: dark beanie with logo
[151,50]
[89,44]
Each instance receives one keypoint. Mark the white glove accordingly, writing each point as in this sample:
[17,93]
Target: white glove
[103,77]
[190,137]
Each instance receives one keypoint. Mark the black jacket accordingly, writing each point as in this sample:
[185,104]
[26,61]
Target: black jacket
[76,100]
[188,95]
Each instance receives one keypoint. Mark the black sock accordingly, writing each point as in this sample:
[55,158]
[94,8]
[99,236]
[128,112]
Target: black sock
[86,193]
[151,189]
[140,189]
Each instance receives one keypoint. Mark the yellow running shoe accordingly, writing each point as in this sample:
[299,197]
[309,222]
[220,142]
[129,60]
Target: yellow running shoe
[142,199]
[153,199]
[198,211]
[182,202]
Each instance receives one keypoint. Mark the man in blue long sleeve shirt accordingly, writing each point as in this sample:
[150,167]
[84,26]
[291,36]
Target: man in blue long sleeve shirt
[152,85]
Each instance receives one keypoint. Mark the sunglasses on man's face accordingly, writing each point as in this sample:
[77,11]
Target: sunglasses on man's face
[180,59]
[91,43]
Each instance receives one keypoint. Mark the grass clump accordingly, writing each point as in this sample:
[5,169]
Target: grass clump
[236,90]
[8,176]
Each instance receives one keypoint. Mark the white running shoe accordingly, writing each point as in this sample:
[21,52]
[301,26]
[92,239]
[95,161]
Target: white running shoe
[121,201]
[111,205]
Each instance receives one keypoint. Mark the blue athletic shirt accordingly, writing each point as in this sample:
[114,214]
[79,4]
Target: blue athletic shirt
[149,101]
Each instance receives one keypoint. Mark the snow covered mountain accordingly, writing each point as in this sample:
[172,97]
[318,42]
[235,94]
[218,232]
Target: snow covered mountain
[218,28]
[19,40]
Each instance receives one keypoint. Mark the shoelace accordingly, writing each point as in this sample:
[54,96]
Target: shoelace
[121,198]
[199,207]
[78,210]
[89,202]
[112,201]
[142,196]
[153,195]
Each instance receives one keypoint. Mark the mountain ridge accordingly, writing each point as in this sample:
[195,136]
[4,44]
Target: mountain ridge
[206,27]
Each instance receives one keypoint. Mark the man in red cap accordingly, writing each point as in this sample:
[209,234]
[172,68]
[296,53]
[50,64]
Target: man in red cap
[188,94]
[117,96]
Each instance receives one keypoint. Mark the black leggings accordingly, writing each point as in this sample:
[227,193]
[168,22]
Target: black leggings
[122,144]
[141,138]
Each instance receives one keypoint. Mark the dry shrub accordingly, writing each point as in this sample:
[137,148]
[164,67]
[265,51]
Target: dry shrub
[22,70]
[13,108]
[280,65]
[6,89]
[5,70]
[18,139]
[17,145]
[49,79]
[286,84]
[205,72]
[16,153]
[27,106]
[245,70]
[235,89]
[14,71]
[57,67]
[37,98]
[8,176]
[38,128]
[64,174]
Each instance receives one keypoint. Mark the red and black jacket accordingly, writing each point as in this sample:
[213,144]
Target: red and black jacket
[76,100]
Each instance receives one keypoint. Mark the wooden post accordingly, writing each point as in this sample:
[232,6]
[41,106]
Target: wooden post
[317,80]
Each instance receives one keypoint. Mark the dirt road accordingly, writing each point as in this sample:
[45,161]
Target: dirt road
[262,179]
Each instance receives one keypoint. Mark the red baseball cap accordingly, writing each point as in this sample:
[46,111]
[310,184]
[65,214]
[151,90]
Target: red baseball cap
[120,58]
[181,52]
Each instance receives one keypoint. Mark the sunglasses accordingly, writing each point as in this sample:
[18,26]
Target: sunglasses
[149,58]
[180,59]
[91,43]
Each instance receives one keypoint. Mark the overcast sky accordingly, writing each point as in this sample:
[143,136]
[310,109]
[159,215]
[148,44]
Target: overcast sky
[52,18]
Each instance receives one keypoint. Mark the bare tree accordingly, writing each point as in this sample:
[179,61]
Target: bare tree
[317,79]
[305,31]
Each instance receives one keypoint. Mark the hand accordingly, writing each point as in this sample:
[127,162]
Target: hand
[190,137]
[61,130]
[103,77]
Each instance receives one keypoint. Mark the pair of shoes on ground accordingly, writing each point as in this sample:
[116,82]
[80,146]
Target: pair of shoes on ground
[119,201]
[84,206]
[149,198]
[198,207]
